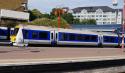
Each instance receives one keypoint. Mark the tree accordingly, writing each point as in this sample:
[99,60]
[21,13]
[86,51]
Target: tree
[63,24]
[92,21]
[68,17]
[85,21]
[34,14]
[49,22]
[76,21]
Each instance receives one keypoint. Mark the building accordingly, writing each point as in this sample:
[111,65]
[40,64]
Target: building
[102,14]
[16,5]
[13,12]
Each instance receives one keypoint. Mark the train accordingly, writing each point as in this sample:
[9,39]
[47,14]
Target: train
[24,35]
[5,33]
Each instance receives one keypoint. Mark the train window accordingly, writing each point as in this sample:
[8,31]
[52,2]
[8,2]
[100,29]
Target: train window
[2,32]
[72,37]
[43,35]
[79,38]
[63,37]
[87,38]
[25,34]
[56,35]
[34,35]
[92,38]
[109,39]
[51,35]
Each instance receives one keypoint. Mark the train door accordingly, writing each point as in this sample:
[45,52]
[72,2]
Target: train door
[56,37]
[53,38]
[100,40]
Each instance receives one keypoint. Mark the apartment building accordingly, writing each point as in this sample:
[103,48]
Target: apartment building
[102,14]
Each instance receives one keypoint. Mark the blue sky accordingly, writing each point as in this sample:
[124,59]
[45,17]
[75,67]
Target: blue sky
[47,5]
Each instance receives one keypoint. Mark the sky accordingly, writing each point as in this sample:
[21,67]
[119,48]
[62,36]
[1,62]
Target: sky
[47,5]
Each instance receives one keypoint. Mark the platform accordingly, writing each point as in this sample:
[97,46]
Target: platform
[14,56]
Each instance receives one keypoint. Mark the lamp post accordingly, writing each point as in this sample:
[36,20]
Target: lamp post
[59,12]
[123,25]
[115,2]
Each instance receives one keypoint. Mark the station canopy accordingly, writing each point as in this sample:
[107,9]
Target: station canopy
[10,14]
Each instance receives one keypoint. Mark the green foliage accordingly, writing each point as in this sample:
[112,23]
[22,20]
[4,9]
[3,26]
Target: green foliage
[34,14]
[63,23]
[85,21]
[51,19]
[76,21]
[92,21]
[41,22]
[49,22]
[68,17]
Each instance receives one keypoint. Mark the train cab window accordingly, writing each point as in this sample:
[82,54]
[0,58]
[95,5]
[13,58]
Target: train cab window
[34,35]
[15,31]
[43,35]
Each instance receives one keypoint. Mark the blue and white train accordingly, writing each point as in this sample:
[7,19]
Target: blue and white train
[4,34]
[24,35]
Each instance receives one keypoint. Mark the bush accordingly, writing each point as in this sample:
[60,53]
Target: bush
[49,22]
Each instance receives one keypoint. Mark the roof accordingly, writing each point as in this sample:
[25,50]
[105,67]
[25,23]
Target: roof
[94,8]
[12,4]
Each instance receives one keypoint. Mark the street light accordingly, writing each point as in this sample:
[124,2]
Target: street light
[123,25]
[115,3]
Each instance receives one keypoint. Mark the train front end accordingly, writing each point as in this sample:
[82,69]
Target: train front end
[16,36]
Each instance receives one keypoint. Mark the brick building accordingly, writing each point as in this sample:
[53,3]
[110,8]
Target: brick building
[16,5]
[11,11]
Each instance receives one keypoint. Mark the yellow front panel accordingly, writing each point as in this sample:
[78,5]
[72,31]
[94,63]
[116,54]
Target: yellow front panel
[12,38]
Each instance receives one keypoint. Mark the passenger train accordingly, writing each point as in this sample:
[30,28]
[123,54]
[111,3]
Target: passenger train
[4,33]
[24,35]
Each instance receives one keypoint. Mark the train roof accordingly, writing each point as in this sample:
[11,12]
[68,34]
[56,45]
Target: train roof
[31,27]
[77,31]
[108,33]
[3,27]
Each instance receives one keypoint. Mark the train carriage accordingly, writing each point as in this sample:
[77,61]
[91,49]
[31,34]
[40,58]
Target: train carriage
[77,37]
[4,33]
[109,39]
[28,34]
